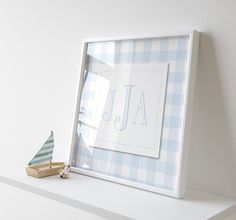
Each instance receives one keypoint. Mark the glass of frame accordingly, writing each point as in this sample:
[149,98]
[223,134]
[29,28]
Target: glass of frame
[133,110]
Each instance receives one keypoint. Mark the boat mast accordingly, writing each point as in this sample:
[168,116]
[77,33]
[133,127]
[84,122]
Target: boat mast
[50,162]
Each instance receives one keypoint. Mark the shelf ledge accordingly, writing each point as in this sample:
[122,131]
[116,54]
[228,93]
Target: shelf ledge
[115,201]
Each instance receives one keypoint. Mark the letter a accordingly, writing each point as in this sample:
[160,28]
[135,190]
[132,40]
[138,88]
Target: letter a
[141,108]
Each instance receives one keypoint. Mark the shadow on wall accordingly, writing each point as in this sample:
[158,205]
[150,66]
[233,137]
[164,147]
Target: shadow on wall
[212,166]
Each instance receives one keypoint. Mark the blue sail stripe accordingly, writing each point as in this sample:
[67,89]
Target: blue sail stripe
[49,141]
[43,154]
[48,145]
[41,159]
[44,150]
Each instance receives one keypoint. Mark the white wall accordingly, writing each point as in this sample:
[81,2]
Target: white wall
[40,48]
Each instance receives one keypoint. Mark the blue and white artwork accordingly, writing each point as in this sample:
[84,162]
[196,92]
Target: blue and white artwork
[131,110]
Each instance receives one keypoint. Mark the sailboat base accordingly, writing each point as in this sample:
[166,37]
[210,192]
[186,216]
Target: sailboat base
[43,170]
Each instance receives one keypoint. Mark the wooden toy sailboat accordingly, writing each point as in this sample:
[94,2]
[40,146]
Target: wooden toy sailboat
[41,165]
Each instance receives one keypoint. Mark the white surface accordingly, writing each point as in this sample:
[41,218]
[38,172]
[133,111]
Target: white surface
[40,47]
[22,205]
[116,201]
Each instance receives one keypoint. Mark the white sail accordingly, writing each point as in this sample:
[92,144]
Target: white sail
[45,153]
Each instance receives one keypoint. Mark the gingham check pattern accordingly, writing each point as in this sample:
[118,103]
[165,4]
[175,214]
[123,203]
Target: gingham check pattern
[162,172]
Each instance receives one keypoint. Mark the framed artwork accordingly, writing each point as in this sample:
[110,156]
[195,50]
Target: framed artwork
[134,110]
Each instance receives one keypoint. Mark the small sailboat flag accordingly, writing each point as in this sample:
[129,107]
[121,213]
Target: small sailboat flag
[45,153]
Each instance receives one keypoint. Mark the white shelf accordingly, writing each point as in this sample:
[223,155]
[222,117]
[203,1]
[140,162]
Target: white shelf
[114,201]
[35,207]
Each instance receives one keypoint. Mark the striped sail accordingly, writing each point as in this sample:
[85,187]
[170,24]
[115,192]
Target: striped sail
[45,153]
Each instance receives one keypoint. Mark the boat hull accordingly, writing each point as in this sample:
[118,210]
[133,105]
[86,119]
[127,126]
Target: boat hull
[44,170]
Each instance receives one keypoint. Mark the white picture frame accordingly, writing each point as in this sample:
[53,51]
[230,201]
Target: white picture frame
[191,40]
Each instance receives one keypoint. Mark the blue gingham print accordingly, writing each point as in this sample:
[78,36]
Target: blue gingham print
[162,172]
